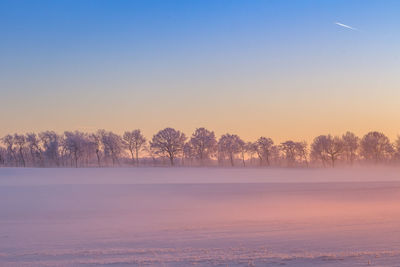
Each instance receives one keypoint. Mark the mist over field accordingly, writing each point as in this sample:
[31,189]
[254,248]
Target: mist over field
[201,216]
[177,133]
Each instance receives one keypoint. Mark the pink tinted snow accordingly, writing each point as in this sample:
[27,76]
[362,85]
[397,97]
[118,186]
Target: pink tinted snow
[204,216]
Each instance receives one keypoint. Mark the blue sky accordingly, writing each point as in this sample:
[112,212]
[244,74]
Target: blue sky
[275,68]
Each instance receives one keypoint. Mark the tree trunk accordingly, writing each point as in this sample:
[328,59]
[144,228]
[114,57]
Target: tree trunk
[22,157]
[98,157]
[132,157]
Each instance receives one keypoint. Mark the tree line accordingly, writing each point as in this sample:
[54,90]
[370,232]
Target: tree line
[172,147]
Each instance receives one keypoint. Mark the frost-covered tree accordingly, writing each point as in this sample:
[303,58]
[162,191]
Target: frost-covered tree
[229,145]
[251,148]
[204,144]
[351,145]
[326,147]
[242,151]
[35,150]
[302,151]
[334,148]
[96,140]
[376,147]
[85,149]
[318,150]
[188,153]
[3,153]
[113,146]
[264,150]
[89,149]
[397,148]
[51,145]
[76,144]
[289,150]
[11,154]
[20,141]
[294,152]
[168,142]
[134,141]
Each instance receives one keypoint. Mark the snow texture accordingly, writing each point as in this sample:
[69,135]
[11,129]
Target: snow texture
[200,217]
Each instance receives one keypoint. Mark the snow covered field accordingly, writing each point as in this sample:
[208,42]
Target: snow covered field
[199,216]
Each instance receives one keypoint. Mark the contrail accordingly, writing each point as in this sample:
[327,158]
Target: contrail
[345,26]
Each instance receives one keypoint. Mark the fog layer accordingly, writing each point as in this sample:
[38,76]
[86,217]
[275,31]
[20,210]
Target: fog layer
[181,216]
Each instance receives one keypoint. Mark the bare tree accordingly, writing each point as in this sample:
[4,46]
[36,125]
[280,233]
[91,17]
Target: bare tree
[3,153]
[289,149]
[327,147]
[96,140]
[9,142]
[397,148]
[302,151]
[243,151]
[168,142]
[251,148]
[129,143]
[230,145]
[34,148]
[75,144]
[89,149]
[351,144]
[135,142]
[113,146]
[264,150]
[84,149]
[51,145]
[203,143]
[294,152]
[334,148]
[317,149]
[188,153]
[375,146]
[20,142]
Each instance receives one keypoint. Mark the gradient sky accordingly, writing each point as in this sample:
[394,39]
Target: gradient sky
[281,69]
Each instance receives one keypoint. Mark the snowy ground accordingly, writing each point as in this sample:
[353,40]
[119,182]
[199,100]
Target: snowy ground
[201,217]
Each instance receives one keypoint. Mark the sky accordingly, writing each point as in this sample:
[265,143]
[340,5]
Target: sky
[281,69]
